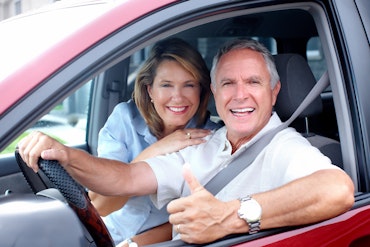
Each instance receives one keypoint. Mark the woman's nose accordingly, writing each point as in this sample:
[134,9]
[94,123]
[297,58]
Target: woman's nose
[177,93]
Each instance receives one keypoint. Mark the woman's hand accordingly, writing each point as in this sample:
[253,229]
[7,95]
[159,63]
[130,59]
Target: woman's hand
[173,142]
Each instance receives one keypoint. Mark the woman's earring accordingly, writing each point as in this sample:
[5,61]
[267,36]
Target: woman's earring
[152,100]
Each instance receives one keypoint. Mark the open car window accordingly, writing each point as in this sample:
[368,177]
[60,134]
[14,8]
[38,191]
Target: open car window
[66,122]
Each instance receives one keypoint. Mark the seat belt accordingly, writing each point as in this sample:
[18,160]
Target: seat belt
[245,158]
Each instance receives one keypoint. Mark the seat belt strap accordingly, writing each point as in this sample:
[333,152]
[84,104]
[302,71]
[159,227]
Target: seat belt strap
[245,158]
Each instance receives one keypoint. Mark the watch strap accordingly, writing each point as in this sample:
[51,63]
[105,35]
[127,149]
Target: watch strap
[254,227]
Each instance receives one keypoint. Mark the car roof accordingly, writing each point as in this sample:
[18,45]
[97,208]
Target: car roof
[53,35]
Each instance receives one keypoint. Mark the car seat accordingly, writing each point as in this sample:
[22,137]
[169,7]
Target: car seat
[297,80]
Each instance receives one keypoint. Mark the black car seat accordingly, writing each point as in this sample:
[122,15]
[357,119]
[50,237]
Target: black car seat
[297,80]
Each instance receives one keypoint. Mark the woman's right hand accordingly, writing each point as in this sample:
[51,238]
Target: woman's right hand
[173,142]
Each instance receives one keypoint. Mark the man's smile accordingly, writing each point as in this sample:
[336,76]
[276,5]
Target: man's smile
[242,111]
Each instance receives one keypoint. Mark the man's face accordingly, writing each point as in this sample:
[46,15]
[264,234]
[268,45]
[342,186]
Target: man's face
[243,94]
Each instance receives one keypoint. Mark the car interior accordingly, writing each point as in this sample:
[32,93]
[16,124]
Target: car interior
[291,34]
[301,40]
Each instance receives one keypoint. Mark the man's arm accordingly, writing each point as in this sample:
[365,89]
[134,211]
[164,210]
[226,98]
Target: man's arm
[319,196]
[104,176]
[171,143]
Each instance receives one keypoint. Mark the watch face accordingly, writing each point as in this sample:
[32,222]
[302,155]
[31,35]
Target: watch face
[250,210]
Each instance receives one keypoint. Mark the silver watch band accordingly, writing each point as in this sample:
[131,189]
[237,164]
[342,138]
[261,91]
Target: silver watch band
[254,227]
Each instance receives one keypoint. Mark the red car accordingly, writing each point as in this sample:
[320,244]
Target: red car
[64,67]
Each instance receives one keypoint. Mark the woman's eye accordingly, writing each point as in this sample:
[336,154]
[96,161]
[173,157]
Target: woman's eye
[190,85]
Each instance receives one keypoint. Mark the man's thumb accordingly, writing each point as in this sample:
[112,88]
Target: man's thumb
[191,180]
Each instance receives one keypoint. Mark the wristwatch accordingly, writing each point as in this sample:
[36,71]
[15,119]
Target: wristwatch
[128,242]
[250,211]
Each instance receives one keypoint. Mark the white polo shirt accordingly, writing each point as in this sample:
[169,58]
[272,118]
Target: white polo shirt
[288,156]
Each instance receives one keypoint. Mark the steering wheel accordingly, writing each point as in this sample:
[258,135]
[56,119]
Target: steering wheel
[52,175]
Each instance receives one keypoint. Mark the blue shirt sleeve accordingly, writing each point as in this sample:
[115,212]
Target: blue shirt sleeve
[125,134]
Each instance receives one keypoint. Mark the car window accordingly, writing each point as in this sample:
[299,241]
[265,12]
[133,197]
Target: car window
[315,57]
[66,122]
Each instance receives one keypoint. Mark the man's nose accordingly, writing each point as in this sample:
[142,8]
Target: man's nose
[241,91]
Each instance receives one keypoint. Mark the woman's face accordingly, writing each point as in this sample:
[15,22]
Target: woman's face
[175,94]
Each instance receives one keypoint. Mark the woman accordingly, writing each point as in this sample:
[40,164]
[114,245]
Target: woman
[168,112]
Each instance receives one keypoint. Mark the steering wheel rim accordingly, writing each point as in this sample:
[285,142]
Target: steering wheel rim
[53,175]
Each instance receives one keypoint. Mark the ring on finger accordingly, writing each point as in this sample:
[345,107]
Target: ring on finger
[178,228]
[188,135]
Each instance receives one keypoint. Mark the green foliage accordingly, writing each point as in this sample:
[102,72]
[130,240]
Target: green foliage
[11,148]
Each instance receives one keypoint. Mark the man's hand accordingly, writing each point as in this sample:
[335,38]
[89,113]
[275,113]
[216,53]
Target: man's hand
[37,145]
[200,217]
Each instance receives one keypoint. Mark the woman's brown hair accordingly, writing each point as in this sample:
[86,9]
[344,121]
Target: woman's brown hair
[189,58]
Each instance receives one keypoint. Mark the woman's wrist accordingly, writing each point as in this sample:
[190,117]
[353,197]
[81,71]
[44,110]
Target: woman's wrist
[128,243]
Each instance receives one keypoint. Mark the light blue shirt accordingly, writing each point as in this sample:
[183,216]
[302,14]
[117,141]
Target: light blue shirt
[123,137]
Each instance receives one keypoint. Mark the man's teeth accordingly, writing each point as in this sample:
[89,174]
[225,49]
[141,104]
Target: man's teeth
[243,110]
[177,109]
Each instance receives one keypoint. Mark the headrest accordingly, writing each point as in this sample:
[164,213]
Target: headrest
[296,80]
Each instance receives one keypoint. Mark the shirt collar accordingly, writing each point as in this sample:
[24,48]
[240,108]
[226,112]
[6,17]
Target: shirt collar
[272,123]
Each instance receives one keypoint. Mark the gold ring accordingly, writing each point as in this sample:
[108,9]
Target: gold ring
[178,228]
[188,135]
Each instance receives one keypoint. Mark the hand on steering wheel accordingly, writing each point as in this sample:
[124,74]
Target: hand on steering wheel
[52,174]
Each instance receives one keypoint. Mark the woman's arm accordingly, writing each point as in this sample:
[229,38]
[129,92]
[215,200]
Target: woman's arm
[174,142]
[155,235]
[107,204]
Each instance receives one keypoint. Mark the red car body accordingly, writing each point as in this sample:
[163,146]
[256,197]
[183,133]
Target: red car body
[26,78]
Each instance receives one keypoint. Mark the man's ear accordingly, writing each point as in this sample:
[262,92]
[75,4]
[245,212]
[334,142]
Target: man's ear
[275,92]
[213,89]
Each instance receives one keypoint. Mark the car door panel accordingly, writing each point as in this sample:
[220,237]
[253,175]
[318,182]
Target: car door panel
[11,178]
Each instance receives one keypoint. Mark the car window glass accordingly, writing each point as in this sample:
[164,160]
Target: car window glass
[315,57]
[66,122]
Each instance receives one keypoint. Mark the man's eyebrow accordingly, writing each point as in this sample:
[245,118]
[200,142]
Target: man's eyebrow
[254,78]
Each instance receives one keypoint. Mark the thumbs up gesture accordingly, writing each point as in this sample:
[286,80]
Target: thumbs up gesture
[200,217]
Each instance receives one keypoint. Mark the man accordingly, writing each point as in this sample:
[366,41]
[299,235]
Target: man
[289,183]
